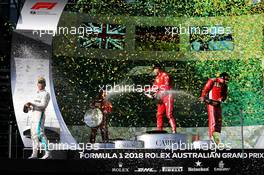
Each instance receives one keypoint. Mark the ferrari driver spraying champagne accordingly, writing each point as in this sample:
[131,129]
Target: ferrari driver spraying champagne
[161,86]
[38,107]
[213,94]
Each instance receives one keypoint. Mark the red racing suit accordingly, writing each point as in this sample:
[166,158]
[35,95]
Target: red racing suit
[162,84]
[215,89]
[106,108]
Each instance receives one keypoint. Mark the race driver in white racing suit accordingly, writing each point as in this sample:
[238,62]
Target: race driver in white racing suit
[38,107]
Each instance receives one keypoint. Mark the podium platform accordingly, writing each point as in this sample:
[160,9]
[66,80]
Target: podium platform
[105,145]
[149,140]
[200,144]
[161,141]
[128,144]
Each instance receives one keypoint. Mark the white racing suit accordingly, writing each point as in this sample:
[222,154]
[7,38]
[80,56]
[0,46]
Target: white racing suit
[39,105]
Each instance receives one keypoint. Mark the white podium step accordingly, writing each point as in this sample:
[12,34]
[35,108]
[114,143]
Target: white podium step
[105,145]
[162,141]
[201,143]
[128,144]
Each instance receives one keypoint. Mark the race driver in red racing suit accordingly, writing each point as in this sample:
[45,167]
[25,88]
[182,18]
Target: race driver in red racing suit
[106,107]
[162,85]
[214,93]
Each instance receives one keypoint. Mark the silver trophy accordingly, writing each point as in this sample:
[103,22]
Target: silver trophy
[93,117]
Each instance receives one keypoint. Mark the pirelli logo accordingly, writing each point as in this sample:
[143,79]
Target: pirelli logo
[44,5]
[172,169]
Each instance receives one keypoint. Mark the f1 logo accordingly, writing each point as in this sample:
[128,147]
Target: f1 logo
[43,5]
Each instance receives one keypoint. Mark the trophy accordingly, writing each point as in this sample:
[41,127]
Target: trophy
[93,117]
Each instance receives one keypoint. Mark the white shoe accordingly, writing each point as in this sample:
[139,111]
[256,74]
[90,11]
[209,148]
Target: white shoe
[46,156]
[33,157]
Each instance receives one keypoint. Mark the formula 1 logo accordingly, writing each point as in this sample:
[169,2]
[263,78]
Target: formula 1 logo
[43,5]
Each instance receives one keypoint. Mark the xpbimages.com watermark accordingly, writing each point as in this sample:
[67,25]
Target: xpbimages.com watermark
[205,146]
[205,30]
[72,146]
[124,88]
[80,31]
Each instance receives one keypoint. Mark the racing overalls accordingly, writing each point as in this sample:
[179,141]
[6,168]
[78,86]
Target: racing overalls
[215,89]
[106,107]
[162,84]
[39,105]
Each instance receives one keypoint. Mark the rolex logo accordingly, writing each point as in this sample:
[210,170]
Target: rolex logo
[120,164]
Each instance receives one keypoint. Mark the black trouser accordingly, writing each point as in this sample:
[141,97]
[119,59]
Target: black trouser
[104,131]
